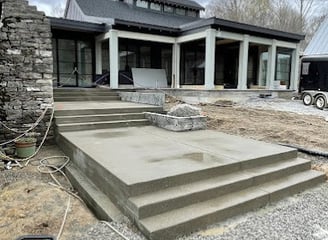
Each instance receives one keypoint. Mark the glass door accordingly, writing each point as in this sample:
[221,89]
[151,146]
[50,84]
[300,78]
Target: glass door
[73,63]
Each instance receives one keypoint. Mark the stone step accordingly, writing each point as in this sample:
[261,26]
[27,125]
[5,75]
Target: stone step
[185,220]
[96,200]
[86,98]
[99,118]
[70,127]
[79,112]
[169,199]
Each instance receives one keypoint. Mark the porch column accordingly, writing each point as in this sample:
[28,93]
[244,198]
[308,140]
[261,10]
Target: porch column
[294,74]
[271,72]
[176,65]
[98,57]
[114,58]
[243,63]
[210,58]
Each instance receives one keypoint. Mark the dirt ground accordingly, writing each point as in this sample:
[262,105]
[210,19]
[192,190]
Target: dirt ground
[29,205]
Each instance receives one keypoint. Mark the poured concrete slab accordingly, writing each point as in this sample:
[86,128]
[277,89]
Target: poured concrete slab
[143,154]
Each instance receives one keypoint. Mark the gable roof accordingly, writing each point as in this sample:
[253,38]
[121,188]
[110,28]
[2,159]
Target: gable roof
[183,3]
[122,11]
[319,43]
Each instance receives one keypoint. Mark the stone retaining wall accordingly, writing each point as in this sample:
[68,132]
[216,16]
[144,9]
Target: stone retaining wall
[177,124]
[157,99]
[26,67]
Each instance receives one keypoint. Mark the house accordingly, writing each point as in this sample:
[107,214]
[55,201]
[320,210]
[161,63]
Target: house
[314,74]
[115,37]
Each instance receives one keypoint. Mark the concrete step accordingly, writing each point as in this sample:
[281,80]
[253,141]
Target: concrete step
[70,90]
[96,200]
[86,98]
[157,202]
[98,118]
[80,112]
[185,220]
[158,184]
[90,93]
[69,127]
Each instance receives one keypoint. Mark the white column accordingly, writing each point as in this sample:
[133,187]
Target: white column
[210,58]
[98,57]
[271,72]
[243,63]
[176,65]
[294,74]
[114,58]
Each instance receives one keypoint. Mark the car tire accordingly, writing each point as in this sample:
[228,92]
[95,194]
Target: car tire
[320,102]
[307,99]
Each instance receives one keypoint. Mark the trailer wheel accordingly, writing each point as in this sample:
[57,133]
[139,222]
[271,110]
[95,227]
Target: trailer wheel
[320,102]
[307,99]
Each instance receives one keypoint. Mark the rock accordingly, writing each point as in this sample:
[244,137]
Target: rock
[184,110]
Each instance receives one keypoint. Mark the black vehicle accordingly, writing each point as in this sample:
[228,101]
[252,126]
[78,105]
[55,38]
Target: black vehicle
[314,73]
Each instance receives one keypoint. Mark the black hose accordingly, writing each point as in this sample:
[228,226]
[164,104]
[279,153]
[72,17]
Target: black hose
[307,151]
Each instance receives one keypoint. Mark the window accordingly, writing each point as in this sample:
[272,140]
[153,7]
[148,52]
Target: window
[191,13]
[142,3]
[129,1]
[283,67]
[168,9]
[180,11]
[155,6]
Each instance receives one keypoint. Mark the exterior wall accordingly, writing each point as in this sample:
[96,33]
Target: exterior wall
[26,67]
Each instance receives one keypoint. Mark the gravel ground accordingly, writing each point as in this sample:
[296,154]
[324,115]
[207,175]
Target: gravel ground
[294,106]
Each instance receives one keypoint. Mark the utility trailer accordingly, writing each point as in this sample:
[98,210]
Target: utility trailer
[318,98]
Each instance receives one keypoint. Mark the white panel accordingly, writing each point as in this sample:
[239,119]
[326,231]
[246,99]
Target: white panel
[149,78]
[145,37]
[191,37]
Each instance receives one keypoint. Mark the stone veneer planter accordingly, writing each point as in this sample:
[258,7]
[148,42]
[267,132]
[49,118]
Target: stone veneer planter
[177,124]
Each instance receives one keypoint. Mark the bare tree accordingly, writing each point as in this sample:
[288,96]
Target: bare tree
[57,10]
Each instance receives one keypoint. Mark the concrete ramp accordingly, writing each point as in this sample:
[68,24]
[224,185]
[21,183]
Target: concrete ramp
[175,183]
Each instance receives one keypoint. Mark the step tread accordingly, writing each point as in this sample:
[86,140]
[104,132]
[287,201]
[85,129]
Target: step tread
[103,122]
[98,115]
[202,209]
[212,183]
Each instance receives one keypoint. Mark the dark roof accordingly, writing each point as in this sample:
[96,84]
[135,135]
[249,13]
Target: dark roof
[123,11]
[183,3]
[76,26]
[241,28]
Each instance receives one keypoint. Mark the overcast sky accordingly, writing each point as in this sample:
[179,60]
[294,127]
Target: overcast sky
[47,5]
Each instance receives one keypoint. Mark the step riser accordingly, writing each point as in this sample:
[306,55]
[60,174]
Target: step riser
[95,126]
[106,111]
[81,90]
[99,118]
[161,207]
[98,202]
[86,98]
[193,224]
[182,179]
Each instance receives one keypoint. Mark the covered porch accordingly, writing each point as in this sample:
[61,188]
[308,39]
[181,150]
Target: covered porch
[211,54]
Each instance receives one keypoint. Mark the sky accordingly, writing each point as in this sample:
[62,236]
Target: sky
[47,5]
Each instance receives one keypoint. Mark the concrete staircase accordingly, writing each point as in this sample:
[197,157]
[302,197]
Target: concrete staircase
[87,94]
[166,207]
[96,118]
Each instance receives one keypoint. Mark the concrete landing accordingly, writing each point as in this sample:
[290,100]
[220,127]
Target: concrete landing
[143,154]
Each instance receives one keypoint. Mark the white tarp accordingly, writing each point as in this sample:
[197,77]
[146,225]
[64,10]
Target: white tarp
[149,78]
